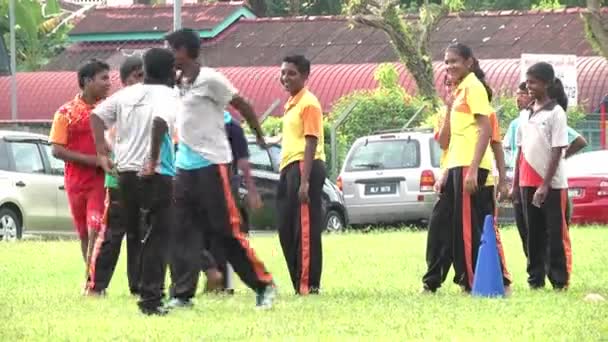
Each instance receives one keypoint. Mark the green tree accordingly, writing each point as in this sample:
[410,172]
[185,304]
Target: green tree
[596,26]
[39,31]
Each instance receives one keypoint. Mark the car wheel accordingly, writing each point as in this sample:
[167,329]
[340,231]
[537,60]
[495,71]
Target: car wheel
[10,226]
[334,221]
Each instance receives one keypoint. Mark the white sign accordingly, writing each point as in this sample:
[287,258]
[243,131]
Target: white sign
[565,70]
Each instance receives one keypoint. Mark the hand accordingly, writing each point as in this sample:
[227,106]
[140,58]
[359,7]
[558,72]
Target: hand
[503,191]
[254,200]
[470,181]
[303,193]
[540,195]
[105,163]
[261,142]
[149,169]
[440,183]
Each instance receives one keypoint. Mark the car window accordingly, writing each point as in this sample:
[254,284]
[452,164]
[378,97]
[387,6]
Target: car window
[385,155]
[259,158]
[3,157]
[435,152]
[27,157]
[57,165]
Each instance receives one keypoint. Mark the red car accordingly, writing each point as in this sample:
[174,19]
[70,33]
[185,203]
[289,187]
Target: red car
[588,187]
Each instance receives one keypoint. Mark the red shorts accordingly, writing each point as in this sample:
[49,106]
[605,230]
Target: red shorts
[87,207]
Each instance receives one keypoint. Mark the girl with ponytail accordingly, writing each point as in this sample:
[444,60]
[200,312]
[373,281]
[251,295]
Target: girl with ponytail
[469,187]
[541,179]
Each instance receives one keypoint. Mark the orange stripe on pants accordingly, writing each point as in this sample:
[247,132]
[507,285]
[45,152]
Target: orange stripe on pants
[566,234]
[99,241]
[305,242]
[235,223]
[467,228]
[501,252]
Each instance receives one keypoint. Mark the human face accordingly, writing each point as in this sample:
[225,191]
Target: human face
[536,88]
[291,78]
[523,99]
[99,85]
[136,76]
[456,66]
[181,56]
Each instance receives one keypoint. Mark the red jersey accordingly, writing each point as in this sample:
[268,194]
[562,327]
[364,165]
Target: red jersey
[72,129]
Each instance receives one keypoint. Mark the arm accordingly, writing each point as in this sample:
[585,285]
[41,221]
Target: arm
[485,130]
[59,138]
[247,112]
[309,154]
[578,144]
[444,131]
[60,152]
[499,156]
[159,129]
[98,127]
[556,155]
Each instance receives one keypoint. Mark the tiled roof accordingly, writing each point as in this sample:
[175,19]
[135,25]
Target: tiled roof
[41,93]
[145,18]
[329,40]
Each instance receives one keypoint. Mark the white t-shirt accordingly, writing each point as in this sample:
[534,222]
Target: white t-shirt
[200,122]
[538,134]
[132,111]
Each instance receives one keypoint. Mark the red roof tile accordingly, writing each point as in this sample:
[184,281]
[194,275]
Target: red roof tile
[145,18]
[39,94]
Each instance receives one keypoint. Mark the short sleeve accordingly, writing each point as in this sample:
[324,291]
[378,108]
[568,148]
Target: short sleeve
[495,128]
[312,120]
[477,100]
[572,135]
[107,110]
[216,86]
[559,128]
[59,129]
[237,139]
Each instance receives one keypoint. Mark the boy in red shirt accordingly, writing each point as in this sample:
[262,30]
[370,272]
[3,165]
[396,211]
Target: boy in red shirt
[73,142]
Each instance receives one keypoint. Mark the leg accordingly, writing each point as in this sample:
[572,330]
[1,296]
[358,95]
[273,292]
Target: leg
[78,209]
[224,225]
[96,212]
[438,244]
[537,239]
[315,206]
[157,203]
[186,236]
[288,206]
[520,221]
[560,249]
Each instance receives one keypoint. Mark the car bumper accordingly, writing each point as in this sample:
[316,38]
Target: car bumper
[391,212]
[590,213]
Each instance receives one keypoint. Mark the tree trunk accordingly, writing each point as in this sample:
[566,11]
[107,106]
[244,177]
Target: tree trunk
[258,7]
[596,27]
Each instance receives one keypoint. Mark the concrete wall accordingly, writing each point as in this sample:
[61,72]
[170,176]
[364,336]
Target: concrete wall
[40,127]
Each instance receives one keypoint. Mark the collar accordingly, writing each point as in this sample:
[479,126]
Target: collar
[293,100]
[466,81]
[548,106]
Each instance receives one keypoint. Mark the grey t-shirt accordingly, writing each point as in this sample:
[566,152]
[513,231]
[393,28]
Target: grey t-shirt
[200,121]
[132,110]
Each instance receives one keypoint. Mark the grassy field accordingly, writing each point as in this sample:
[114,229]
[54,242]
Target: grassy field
[371,291]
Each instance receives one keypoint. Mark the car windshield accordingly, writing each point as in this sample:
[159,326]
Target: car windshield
[384,155]
[589,163]
[57,165]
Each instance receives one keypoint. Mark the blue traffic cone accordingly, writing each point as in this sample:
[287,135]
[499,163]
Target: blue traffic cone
[488,274]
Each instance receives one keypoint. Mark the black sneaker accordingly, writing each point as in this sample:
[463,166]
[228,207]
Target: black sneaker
[314,291]
[179,303]
[157,311]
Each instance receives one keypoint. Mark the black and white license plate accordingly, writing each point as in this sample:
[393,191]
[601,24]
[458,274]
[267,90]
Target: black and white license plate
[380,189]
[575,193]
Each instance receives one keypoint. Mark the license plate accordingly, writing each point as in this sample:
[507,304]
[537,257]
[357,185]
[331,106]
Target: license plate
[380,189]
[575,193]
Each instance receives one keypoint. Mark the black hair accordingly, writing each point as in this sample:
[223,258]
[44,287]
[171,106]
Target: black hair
[159,66]
[89,70]
[465,52]
[544,72]
[523,86]
[186,38]
[301,63]
[130,64]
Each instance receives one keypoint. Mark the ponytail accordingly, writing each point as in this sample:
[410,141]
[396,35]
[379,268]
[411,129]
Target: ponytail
[476,69]
[556,92]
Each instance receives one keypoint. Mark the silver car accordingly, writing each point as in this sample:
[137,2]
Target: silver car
[32,192]
[389,177]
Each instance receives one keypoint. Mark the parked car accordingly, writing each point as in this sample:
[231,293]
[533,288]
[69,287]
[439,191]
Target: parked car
[588,187]
[32,192]
[389,177]
[265,172]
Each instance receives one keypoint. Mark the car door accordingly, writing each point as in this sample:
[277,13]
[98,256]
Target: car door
[56,167]
[36,189]
[266,178]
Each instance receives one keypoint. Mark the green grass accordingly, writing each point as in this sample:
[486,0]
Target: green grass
[371,291]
